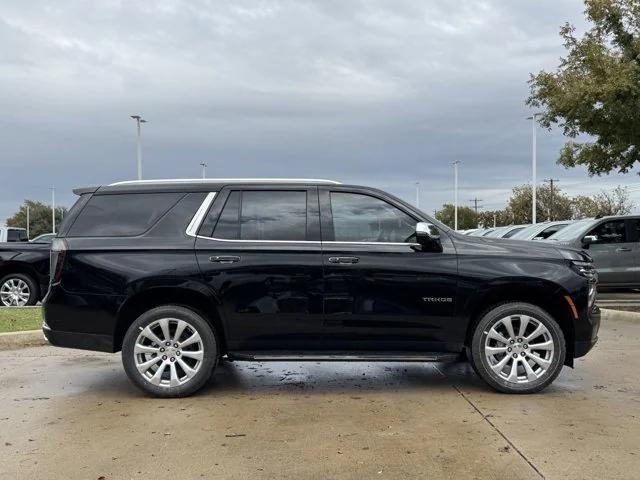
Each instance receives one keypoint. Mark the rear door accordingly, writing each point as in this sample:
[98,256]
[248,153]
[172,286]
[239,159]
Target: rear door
[615,252]
[259,250]
[382,292]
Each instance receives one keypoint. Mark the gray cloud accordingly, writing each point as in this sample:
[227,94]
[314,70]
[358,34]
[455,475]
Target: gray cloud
[376,92]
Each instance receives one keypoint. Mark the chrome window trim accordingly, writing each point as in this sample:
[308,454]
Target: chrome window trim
[196,221]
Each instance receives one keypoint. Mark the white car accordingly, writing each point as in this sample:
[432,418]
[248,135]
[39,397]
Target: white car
[13,234]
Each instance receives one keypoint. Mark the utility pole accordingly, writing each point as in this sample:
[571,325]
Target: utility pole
[53,209]
[551,182]
[476,206]
[204,170]
[455,194]
[494,220]
[534,155]
[417,194]
[27,222]
[139,120]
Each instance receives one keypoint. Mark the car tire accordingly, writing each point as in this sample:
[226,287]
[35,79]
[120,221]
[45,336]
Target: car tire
[499,341]
[26,285]
[182,343]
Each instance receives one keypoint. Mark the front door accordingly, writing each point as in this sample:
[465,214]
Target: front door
[614,252]
[382,291]
[259,251]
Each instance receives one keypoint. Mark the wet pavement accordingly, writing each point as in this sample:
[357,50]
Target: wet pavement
[72,414]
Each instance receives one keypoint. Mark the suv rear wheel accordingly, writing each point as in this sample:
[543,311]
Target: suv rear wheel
[170,351]
[18,290]
[518,348]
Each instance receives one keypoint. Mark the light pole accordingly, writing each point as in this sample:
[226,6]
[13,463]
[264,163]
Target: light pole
[53,209]
[139,120]
[417,194]
[28,222]
[204,170]
[533,162]
[455,194]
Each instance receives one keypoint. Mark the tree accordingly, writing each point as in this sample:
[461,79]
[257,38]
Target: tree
[502,218]
[39,217]
[549,205]
[615,202]
[466,216]
[596,89]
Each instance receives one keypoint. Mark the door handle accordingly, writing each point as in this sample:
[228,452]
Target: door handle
[623,249]
[344,260]
[224,259]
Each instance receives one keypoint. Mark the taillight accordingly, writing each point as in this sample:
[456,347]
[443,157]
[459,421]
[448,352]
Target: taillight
[58,253]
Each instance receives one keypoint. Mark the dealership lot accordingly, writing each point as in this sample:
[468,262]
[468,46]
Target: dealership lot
[72,413]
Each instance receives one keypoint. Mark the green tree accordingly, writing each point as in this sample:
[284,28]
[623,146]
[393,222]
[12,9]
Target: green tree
[466,216]
[502,218]
[39,217]
[549,205]
[614,202]
[596,89]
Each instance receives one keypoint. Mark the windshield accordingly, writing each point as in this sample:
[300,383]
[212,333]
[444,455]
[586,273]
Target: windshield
[526,232]
[571,231]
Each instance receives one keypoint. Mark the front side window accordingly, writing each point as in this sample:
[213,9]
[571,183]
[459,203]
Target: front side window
[14,235]
[122,215]
[362,218]
[609,232]
[263,215]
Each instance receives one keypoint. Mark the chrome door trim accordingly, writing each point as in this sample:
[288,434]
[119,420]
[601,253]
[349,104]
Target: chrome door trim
[196,221]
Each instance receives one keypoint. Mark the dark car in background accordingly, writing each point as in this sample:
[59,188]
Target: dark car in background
[178,274]
[24,273]
[613,243]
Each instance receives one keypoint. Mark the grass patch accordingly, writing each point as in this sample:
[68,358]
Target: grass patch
[14,319]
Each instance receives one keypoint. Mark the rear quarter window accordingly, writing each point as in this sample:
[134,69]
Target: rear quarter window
[122,215]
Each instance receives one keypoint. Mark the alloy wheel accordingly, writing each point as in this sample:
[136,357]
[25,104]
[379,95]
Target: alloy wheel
[168,352]
[519,348]
[14,292]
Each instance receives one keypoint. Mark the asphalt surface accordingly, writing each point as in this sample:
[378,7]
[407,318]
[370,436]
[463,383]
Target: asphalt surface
[69,414]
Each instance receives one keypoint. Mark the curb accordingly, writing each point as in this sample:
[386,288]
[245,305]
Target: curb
[608,314]
[29,338]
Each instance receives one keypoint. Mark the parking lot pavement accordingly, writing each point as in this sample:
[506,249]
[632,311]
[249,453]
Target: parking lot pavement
[72,414]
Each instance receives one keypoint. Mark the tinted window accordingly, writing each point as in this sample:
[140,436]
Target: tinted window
[16,235]
[550,231]
[609,232]
[122,215]
[361,218]
[264,215]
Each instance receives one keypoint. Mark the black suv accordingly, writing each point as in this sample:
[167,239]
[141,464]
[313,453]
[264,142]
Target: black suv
[179,274]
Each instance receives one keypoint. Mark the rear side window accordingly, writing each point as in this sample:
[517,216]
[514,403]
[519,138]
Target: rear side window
[263,215]
[122,215]
[16,235]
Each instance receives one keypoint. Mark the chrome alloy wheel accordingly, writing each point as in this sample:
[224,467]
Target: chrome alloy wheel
[14,292]
[518,348]
[168,352]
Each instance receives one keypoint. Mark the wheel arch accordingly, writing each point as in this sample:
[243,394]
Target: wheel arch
[145,300]
[547,295]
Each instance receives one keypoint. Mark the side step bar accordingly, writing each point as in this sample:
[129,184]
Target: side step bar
[343,356]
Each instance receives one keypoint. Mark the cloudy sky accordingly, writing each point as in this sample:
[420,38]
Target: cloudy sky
[377,92]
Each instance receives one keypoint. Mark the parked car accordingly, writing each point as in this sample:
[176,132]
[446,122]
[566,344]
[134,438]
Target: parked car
[481,232]
[612,242]
[24,273]
[541,231]
[13,234]
[505,232]
[177,274]
[44,238]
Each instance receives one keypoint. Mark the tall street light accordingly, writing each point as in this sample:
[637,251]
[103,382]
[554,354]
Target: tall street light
[533,162]
[417,194]
[455,194]
[204,170]
[53,209]
[139,120]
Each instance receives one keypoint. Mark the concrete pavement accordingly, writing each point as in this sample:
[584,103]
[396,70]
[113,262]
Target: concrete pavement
[70,414]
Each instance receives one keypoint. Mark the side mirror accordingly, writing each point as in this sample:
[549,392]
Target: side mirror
[428,235]
[588,240]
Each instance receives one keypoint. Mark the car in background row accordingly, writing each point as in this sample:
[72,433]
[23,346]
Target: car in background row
[541,231]
[505,232]
[612,242]
[13,234]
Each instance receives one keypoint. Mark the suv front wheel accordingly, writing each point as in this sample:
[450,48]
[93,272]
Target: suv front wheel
[170,351]
[518,348]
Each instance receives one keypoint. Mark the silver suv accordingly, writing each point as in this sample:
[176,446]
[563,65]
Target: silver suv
[614,244]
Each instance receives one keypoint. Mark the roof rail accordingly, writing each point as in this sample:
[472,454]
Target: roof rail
[223,180]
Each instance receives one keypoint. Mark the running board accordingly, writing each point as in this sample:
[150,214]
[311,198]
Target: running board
[343,357]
